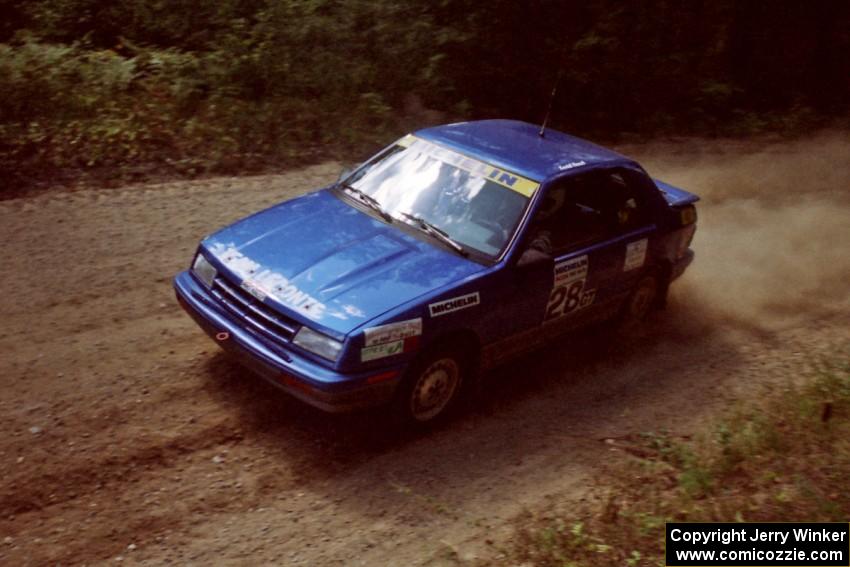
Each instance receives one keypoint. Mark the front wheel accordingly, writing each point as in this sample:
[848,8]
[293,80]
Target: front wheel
[430,388]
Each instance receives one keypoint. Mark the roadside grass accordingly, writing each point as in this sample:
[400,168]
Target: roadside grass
[785,458]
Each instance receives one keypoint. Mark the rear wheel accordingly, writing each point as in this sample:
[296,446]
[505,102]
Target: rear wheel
[430,388]
[642,299]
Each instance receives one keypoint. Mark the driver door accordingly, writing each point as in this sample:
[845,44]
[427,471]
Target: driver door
[578,226]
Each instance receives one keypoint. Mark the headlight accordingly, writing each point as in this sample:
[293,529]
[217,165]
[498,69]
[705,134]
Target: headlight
[204,270]
[317,343]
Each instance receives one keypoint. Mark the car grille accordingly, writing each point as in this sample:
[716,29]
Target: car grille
[256,313]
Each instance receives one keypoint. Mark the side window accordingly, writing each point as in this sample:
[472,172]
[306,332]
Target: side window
[625,204]
[586,209]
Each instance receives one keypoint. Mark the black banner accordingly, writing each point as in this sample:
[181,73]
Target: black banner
[758,544]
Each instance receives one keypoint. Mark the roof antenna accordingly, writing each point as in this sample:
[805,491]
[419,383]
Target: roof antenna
[549,110]
[542,131]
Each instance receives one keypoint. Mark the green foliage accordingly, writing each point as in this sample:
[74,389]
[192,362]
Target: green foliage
[242,84]
[784,460]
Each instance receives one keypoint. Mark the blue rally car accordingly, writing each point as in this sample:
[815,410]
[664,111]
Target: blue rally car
[450,251]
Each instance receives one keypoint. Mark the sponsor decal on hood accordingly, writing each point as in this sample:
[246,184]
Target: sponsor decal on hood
[263,282]
[324,261]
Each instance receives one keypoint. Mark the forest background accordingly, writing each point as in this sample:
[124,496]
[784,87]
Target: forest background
[109,92]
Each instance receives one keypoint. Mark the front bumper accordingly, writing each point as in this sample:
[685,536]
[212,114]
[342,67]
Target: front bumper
[284,367]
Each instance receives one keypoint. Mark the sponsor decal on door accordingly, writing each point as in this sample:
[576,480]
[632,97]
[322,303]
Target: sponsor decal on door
[568,291]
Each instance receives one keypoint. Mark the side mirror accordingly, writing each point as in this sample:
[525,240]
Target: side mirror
[533,258]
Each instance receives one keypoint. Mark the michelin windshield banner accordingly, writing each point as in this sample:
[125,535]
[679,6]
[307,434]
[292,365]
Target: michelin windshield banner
[758,544]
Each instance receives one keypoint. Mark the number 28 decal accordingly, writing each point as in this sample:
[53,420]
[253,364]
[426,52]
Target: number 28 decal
[568,293]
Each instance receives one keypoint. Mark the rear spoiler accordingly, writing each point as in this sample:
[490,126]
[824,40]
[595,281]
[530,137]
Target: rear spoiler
[675,197]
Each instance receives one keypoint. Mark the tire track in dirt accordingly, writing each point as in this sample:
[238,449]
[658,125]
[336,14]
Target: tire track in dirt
[76,480]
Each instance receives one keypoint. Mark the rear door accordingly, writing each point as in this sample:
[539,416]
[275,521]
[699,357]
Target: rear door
[585,261]
[598,230]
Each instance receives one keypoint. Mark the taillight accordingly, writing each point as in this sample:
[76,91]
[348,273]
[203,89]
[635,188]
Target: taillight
[688,215]
[688,218]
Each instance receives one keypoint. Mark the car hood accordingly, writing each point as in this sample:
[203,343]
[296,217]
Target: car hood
[327,264]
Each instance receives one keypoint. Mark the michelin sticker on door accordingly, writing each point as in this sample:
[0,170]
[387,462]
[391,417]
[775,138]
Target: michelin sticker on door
[570,270]
[568,293]
[635,255]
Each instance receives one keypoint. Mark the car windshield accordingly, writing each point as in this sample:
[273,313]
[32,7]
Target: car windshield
[474,203]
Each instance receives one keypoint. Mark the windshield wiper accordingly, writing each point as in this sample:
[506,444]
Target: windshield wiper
[370,201]
[436,232]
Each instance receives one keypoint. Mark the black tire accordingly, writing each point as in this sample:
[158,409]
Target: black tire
[642,300]
[431,387]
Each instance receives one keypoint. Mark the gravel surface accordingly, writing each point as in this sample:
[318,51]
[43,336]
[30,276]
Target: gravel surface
[130,438]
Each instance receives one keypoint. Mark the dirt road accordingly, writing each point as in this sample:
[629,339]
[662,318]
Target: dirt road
[128,437]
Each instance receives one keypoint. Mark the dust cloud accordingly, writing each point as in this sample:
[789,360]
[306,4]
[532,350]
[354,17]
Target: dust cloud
[773,240]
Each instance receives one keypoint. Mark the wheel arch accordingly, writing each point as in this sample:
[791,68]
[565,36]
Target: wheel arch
[462,344]
[464,339]
[662,270]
